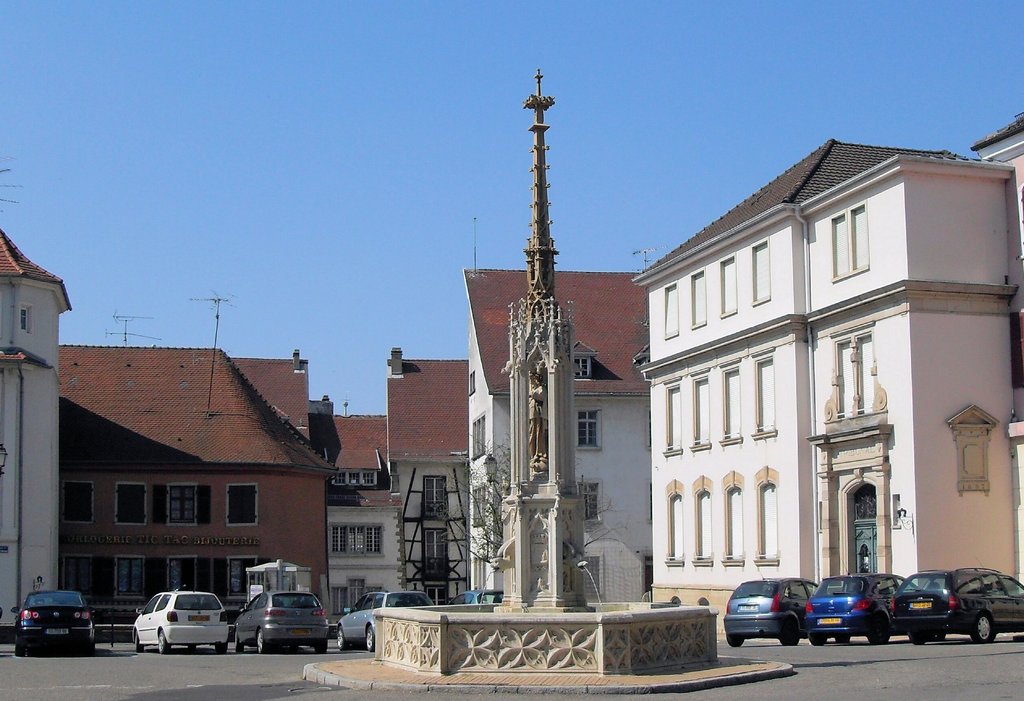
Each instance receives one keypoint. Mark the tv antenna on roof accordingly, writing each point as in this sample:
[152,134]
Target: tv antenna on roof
[215,301]
[124,319]
[3,171]
[645,252]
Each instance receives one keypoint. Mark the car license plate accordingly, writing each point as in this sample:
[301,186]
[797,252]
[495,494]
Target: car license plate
[748,607]
[830,621]
[56,631]
[199,617]
[916,605]
[300,631]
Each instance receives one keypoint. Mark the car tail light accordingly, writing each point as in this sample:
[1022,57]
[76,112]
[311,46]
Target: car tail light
[776,600]
[954,603]
[172,616]
[862,605]
[29,615]
[892,605]
[84,615]
[276,612]
[319,613]
[809,608]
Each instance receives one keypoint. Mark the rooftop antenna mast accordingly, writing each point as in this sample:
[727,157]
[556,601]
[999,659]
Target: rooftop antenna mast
[123,319]
[216,301]
[474,246]
[645,252]
[2,172]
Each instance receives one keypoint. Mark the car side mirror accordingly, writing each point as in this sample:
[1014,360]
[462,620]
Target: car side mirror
[241,609]
[138,611]
[14,609]
[346,611]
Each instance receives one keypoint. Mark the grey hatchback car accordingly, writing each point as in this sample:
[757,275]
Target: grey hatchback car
[282,619]
[768,608]
[357,623]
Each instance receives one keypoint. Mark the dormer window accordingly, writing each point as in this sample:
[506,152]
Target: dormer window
[583,367]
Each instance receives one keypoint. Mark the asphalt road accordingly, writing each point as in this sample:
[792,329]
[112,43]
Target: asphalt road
[955,669]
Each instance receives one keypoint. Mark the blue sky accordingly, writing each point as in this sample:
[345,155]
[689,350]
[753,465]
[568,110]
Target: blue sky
[322,164]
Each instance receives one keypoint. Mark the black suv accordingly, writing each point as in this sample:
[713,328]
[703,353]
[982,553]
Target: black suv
[768,608]
[972,601]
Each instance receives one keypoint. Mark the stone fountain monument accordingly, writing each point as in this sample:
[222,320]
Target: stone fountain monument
[545,623]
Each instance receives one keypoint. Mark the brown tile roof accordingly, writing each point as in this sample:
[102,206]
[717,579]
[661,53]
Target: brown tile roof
[149,406]
[829,165]
[363,438]
[428,415]
[286,390]
[610,313]
[1017,125]
[14,263]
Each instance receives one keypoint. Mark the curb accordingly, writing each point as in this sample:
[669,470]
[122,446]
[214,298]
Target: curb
[772,670]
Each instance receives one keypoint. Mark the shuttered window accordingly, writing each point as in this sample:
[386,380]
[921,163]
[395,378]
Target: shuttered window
[732,403]
[698,300]
[702,412]
[850,241]
[859,217]
[673,424]
[130,503]
[676,512]
[728,286]
[762,273]
[847,383]
[704,541]
[671,311]
[765,396]
[769,525]
[840,245]
[735,523]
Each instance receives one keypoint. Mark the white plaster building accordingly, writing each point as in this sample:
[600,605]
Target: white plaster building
[31,302]
[612,399]
[830,375]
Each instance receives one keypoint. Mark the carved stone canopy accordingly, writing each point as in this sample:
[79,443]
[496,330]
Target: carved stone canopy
[972,430]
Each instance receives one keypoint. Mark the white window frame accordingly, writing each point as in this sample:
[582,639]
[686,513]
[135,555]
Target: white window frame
[479,435]
[25,318]
[588,424]
[672,311]
[761,272]
[195,504]
[734,523]
[356,539]
[704,529]
[768,545]
[849,231]
[701,412]
[583,366]
[728,297]
[674,418]
[854,383]
[676,527]
[731,404]
[698,300]
[765,395]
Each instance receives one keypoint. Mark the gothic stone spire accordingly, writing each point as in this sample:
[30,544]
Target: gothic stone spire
[540,252]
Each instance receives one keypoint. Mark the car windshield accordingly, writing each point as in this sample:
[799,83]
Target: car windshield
[404,599]
[491,597]
[751,589]
[840,586]
[196,602]
[927,583]
[296,601]
[55,598]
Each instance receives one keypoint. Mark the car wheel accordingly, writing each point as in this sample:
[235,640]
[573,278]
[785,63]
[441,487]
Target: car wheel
[983,631]
[262,646]
[89,649]
[191,649]
[239,645]
[817,639]
[221,648]
[320,648]
[879,632]
[19,650]
[790,633]
[733,640]
[162,646]
[842,639]
[139,647]
[370,641]
[920,638]
[343,643]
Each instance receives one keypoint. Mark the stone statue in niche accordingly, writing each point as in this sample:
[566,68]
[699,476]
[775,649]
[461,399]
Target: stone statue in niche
[538,420]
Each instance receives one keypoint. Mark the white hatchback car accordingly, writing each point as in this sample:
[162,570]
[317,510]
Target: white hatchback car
[187,618]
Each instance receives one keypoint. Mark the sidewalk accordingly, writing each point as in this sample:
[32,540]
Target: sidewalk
[367,674]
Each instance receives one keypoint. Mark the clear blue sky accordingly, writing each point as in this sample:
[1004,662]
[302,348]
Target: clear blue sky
[323,163]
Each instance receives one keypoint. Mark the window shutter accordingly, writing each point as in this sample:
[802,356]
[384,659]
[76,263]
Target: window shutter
[848,385]
[703,412]
[769,511]
[762,273]
[704,507]
[732,386]
[159,503]
[677,527]
[736,523]
[766,395]
[841,245]
[729,286]
[203,574]
[155,576]
[867,359]
[860,238]
[700,304]
[203,503]
[671,310]
[220,577]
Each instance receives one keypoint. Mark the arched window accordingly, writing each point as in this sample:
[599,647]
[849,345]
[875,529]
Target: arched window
[734,522]
[769,521]
[705,548]
[676,527]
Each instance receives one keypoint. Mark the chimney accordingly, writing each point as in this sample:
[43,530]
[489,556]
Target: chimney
[298,364]
[396,362]
[324,406]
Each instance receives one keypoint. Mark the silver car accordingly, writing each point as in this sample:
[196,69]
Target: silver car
[282,619]
[357,623]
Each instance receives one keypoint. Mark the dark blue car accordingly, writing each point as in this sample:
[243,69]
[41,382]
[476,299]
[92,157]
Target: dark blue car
[856,604]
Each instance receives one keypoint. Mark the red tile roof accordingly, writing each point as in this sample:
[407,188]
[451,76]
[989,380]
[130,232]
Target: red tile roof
[363,438]
[428,415]
[286,390]
[150,406]
[14,263]
[610,313]
[829,165]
